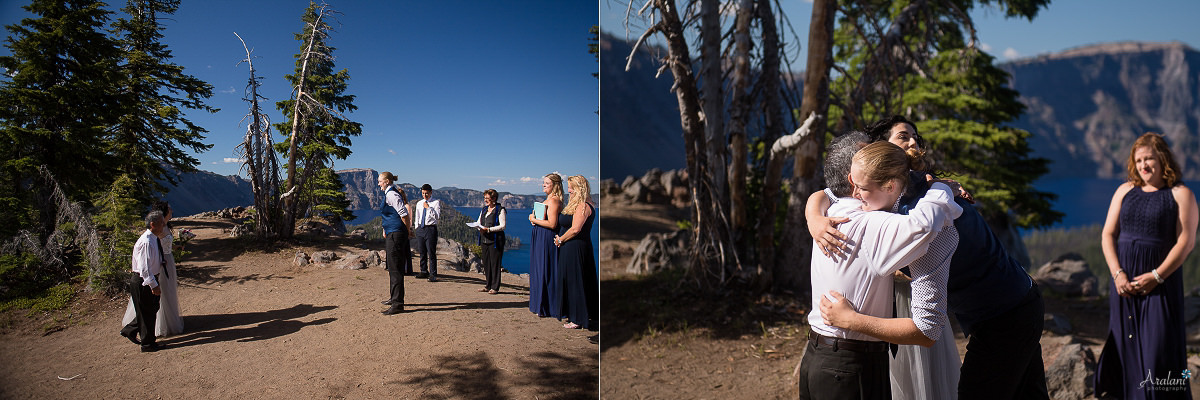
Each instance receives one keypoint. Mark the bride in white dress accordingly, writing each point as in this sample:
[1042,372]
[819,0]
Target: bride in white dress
[168,321]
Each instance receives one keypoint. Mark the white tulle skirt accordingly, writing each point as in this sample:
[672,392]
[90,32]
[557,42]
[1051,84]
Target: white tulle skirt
[917,372]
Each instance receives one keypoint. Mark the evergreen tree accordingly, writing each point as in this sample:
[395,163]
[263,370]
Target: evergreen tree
[56,103]
[153,134]
[316,127]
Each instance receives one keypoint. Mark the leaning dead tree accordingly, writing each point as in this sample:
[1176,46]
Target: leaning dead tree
[258,157]
[50,250]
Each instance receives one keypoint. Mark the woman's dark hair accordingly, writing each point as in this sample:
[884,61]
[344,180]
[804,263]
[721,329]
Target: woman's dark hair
[165,208]
[881,130]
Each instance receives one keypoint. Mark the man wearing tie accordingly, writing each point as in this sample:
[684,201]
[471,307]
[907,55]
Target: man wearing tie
[428,211]
[143,283]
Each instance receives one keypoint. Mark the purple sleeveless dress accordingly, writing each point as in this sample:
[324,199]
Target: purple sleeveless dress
[1146,353]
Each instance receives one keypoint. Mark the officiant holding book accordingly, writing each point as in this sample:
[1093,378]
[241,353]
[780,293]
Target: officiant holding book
[543,254]
[490,224]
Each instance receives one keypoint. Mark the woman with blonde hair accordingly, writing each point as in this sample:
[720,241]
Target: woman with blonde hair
[543,255]
[396,231]
[1149,231]
[576,258]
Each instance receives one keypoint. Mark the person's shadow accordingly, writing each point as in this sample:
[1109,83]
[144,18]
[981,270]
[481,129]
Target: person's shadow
[213,328]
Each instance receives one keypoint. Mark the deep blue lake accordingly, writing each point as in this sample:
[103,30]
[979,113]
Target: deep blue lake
[517,225]
[1083,200]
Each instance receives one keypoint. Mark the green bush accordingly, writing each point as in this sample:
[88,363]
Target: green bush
[27,289]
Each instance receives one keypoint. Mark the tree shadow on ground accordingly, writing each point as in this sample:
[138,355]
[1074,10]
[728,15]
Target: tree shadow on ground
[475,376]
[214,328]
[207,275]
[666,302]
[491,305]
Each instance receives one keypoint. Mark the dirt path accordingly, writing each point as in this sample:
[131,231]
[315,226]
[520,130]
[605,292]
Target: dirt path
[259,327]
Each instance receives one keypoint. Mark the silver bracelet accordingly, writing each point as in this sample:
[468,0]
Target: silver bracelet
[1157,277]
[1119,272]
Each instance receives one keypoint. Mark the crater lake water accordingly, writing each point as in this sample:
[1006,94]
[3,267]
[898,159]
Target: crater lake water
[517,225]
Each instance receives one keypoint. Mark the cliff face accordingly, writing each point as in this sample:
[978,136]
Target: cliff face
[202,191]
[1087,105]
[639,115]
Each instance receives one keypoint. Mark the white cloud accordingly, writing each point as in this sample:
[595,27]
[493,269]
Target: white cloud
[985,47]
[214,163]
[526,179]
[1011,53]
[231,160]
[392,151]
[231,90]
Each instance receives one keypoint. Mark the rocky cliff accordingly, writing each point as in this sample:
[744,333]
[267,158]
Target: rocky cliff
[1087,105]
[206,191]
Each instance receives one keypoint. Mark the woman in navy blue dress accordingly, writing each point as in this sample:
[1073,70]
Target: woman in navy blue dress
[576,258]
[543,255]
[1150,230]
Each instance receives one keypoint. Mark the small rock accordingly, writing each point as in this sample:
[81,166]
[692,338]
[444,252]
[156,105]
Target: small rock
[1057,323]
[324,257]
[1071,374]
[1068,275]
[301,259]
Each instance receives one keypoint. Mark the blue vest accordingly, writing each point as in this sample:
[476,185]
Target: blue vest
[984,280]
[491,238]
[391,218]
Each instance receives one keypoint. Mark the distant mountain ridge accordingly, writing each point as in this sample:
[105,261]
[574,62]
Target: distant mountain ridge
[1086,105]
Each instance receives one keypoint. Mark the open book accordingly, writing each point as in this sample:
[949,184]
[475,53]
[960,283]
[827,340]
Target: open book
[539,210]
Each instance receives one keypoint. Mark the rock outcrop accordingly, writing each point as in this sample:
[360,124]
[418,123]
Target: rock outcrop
[655,187]
[1068,275]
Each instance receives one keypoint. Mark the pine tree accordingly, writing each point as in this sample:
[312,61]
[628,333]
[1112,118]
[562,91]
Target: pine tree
[316,127]
[56,103]
[153,134]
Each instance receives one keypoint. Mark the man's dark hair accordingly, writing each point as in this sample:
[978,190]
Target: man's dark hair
[838,160]
[427,187]
[152,217]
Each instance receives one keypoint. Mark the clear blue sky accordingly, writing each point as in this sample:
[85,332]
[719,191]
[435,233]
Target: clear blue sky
[470,94]
[1062,25]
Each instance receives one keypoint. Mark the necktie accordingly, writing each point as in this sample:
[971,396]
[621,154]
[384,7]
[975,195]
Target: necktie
[162,260]
[423,211]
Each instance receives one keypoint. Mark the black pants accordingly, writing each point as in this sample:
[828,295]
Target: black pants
[145,305]
[395,252]
[828,373]
[491,266]
[427,237]
[1004,354]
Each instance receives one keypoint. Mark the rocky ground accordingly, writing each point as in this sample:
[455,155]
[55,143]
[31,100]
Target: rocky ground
[663,340]
[259,326]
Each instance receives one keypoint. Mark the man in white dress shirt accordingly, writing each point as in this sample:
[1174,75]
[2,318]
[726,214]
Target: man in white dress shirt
[148,263]
[428,210]
[840,363]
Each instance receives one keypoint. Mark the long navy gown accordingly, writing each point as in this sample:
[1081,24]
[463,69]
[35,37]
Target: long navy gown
[1146,333]
[543,268]
[577,269]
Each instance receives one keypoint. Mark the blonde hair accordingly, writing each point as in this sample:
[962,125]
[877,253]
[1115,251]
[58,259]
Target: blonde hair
[556,186]
[388,176]
[583,193]
[884,162]
[1158,145]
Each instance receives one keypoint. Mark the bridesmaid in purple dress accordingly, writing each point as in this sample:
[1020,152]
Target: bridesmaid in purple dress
[543,255]
[1150,229]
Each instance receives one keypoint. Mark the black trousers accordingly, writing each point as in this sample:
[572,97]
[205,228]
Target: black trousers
[829,373]
[145,305]
[427,237]
[396,251]
[1004,354]
[491,266]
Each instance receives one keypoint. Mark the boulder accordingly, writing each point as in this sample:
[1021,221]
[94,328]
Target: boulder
[353,261]
[358,233]
[1057,323]
[1071,374]
[324,257]
[629,180]
[656,252]
[301,259]
[609,187]
[241,230]
[1068,275]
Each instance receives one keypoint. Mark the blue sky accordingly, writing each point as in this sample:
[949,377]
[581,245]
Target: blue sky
[470,94]
[1062,25]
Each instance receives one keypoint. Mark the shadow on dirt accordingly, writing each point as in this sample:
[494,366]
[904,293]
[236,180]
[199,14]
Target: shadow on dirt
[214,328]
[475,376]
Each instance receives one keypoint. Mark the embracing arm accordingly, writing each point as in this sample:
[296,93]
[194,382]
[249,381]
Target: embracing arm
[824,229]
[901,239]
[1108,241]
[841,313]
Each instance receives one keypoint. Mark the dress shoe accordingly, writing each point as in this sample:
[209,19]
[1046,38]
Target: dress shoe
[422,275]
[594,339]
[433,279]
[150,348]
[393,311]
[132,336]
[386,302]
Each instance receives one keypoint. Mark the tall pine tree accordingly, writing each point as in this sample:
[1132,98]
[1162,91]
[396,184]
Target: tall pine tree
[56,104]
[153,135]
[316,126]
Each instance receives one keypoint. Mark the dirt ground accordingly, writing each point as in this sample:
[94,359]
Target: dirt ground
[259,327]
[664,341]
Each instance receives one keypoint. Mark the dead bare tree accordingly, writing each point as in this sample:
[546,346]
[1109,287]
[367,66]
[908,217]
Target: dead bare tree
[258,157]
[50,250]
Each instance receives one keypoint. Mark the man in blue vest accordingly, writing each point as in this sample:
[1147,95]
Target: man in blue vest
[396,229]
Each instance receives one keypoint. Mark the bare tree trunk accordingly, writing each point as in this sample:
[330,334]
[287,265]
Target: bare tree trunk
[739,115]
[805,179]
[259,159]
[773,129]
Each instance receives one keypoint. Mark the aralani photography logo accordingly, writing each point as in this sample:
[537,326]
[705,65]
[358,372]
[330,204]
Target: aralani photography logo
[1168,383]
